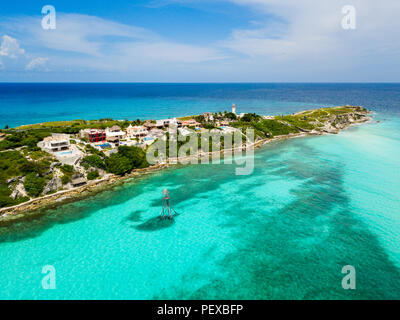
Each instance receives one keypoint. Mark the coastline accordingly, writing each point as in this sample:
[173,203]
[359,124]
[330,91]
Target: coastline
[34,206]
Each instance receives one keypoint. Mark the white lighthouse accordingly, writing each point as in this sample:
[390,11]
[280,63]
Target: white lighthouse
[234,108]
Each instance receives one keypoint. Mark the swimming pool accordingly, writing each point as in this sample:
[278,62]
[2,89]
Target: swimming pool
[105,145]
[64,153]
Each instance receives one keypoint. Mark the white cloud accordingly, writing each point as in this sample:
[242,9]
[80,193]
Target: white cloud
[307,42]
[85,34]
[16,58]
[298,40]
[37,64]
[10,47]
[314,28]
[90,43]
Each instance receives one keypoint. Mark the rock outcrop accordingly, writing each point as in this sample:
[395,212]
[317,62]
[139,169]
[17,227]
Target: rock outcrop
[341,121]
[52,166]
[53,185]
[19,191]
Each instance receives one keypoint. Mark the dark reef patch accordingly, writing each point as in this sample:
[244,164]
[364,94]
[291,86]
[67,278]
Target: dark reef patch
[155,224]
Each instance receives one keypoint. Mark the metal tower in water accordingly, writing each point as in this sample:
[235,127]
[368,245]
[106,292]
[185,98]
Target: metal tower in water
[166,211]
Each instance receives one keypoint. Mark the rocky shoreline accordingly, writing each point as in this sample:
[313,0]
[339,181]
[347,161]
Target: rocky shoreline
[29,208]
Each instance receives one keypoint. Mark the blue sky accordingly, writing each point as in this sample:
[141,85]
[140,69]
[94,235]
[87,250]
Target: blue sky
[200,41]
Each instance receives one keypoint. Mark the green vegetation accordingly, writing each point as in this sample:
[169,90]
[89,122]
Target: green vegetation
[266,128]
[94,160]
[92,150]
[299,121]
[199,118]
[209,126]
[74,126]
[127,159]
[230,115]
[68,172]
[136,156]
[187,118]
[67,169]
[66,178]
[34,184]
[15,139]
[276,128]
[137,122]
[92,175]
[14,164]
[250,117]
[286,124]
[118,164]
[6,200]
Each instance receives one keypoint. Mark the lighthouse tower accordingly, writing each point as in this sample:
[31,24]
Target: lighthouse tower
[234,108]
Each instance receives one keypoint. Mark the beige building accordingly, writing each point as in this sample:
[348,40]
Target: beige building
[136,131]
[57,142]
[190,123]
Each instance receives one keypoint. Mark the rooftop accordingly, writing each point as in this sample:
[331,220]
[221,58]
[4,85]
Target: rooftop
[115,128]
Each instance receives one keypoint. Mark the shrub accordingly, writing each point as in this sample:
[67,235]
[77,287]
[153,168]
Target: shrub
[34,184]
[65,179]
[28,138]
[230,115]
[276,128]
[6,200]
[136,156]
[67,169]
[118,164]
[94,161]
[13,164]
[249,117]
[92,175]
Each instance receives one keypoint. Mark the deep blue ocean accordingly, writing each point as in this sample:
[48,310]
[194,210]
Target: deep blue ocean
[35,103]
[312,205]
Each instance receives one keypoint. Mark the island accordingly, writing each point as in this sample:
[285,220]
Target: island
[46,164]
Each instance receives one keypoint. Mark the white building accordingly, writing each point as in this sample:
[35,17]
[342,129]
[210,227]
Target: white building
[136,131]
[115,132]
[172,122]
[57,142]
[208,116]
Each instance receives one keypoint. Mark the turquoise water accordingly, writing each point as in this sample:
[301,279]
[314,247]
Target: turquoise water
[312,206]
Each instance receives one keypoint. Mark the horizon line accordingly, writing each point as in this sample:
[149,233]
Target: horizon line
[201,82]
